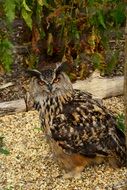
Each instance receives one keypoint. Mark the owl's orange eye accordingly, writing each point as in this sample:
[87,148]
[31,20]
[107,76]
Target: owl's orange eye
[56,80]
[41,82]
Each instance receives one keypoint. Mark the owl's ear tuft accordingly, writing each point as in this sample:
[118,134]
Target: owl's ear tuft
[61,67]
[34,72]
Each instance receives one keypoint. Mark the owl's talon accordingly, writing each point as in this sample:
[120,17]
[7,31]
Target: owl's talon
[72,174]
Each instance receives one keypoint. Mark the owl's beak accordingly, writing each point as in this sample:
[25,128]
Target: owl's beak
[49,87]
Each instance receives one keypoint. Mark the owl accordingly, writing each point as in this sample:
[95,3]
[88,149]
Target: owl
[79,129]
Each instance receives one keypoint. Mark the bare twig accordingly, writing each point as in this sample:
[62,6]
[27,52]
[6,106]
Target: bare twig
[6,85]
[119,186]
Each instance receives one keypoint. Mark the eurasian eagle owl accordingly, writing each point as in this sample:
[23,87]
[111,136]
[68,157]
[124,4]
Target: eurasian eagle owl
[79,129]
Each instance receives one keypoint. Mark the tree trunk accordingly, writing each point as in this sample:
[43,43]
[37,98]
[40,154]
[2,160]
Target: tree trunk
[125,79]
[101,87]
[12,106]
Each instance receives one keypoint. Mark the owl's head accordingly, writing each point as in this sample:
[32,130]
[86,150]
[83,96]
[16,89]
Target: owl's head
[50,83]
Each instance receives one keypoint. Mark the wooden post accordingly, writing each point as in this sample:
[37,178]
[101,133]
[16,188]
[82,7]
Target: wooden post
[125,79]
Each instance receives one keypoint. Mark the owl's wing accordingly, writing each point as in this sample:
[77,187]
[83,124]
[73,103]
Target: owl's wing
[86,127]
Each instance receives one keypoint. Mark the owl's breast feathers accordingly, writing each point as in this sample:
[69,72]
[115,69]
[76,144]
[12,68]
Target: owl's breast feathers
[87,128]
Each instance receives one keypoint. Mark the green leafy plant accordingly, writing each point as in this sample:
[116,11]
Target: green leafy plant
[9,9]
[9,188]
[69,28]
[121,122]
[8,15]
[6,53]
[26,14]
[3,149]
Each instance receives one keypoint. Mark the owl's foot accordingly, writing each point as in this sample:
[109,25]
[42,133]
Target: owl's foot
[70,175]
[75,173]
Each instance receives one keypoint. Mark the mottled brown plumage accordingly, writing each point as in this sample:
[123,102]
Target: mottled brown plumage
[79,129]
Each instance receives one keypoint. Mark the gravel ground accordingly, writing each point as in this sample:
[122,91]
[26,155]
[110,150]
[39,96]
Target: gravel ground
[115,104]
[30,165]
